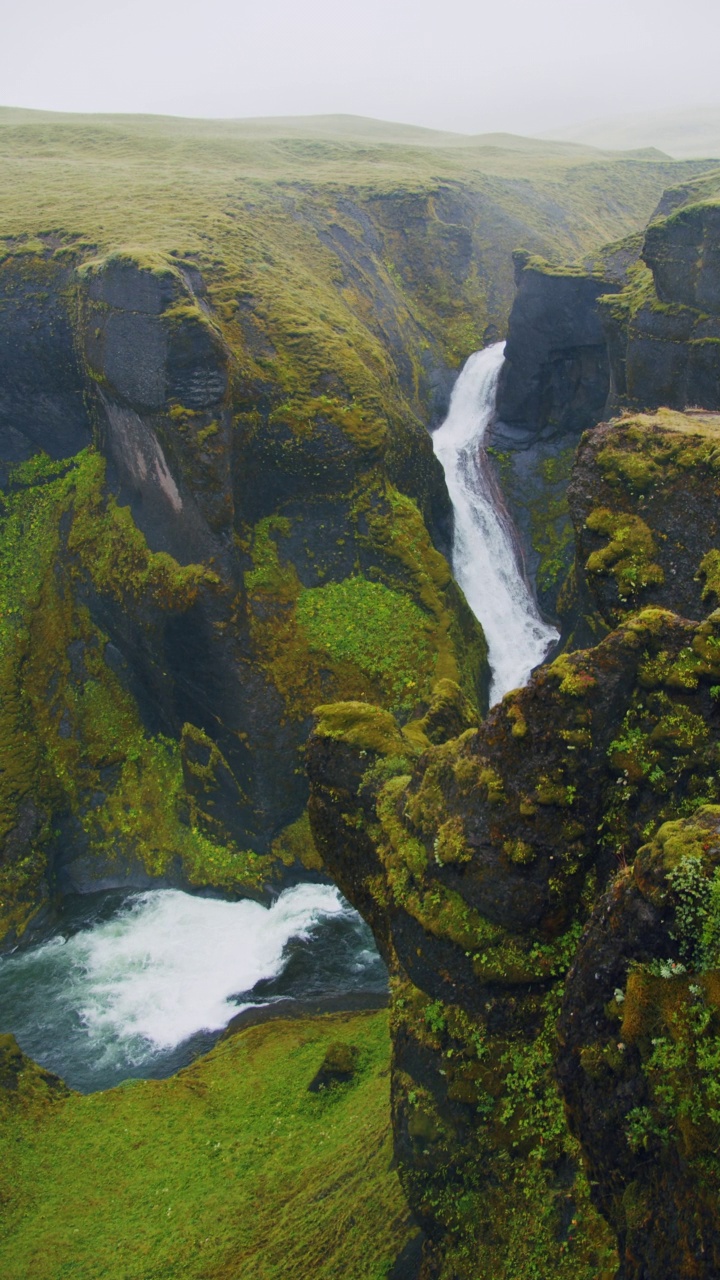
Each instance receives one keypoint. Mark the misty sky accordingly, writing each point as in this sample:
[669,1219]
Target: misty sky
[520,65]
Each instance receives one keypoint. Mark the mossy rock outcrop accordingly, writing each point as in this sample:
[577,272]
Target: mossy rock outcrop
[644,501]
[477,862]
[639,1050]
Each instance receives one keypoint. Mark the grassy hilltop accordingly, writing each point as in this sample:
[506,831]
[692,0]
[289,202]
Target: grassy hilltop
[261,205]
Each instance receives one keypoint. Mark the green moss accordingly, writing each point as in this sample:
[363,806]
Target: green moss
[296,846]
[140,819]
[268,575]
[73,741]
[385,635]
[391,526]
[368,432]
[367,727]
[651,449]
[709,574]
[487,1143]
[575,675]
[551,529]
[628,555]
[227,1167]
[388,634]
[636,471]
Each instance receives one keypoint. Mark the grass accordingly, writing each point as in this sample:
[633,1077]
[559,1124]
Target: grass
[268,211]
[381,632]
[231,1169]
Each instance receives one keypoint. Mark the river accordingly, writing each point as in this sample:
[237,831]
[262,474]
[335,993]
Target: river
[137,984]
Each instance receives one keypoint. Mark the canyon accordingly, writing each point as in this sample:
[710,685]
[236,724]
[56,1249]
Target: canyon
[248,642]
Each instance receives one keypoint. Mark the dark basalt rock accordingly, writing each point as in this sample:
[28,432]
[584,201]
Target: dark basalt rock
[638,1033]
[42,387]
[553,385]
[644,503]
[556,376]
[683,253]
[475,861]
[663,331]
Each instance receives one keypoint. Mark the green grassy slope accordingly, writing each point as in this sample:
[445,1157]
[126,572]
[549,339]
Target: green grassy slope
[231,1170]
[261,205]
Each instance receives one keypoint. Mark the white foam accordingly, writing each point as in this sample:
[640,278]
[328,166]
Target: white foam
[485,559]
[170,965]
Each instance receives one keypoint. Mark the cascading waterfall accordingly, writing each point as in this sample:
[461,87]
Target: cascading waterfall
[141,990]
[485,560]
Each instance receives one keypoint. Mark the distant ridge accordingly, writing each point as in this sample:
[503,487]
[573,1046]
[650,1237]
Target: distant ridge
[690,134]
[350,129]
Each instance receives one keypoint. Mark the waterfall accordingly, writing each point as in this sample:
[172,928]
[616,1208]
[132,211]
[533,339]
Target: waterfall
[485,559]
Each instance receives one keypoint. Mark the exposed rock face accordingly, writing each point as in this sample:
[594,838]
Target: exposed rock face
[194,584]
[638,327]
[683,254]
[554,384]
[556,376]
[644,503]
[664,328]
[477,862]
[639,1036]
[42,403]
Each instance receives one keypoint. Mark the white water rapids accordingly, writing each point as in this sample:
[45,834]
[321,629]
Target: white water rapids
[147,982]
[485,559]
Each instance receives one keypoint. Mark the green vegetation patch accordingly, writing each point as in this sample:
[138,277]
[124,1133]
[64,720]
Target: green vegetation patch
[231,1170]
[647,450]
[71,737]
[496,1193]
[628,555]
[382,633]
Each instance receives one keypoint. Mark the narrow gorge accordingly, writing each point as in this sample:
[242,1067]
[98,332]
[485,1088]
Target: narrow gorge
[359,563]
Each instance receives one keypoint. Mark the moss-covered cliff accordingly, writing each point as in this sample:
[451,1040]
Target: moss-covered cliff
[644,502]
[232,510]
[478,863]
[664,327]
[629,327]
[156,700]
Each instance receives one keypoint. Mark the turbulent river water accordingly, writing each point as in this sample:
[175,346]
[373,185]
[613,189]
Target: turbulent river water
[137,984]
[486,563]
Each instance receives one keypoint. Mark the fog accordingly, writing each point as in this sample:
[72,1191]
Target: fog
[519,65]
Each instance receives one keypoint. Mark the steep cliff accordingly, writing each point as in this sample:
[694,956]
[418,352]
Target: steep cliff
[220,353]
[639,1045]
[156,699]
[664,327]
[633,326]
[554,385]
[644,503]
[478,862]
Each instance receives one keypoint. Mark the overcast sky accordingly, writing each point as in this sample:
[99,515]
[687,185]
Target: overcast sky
[521,65]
